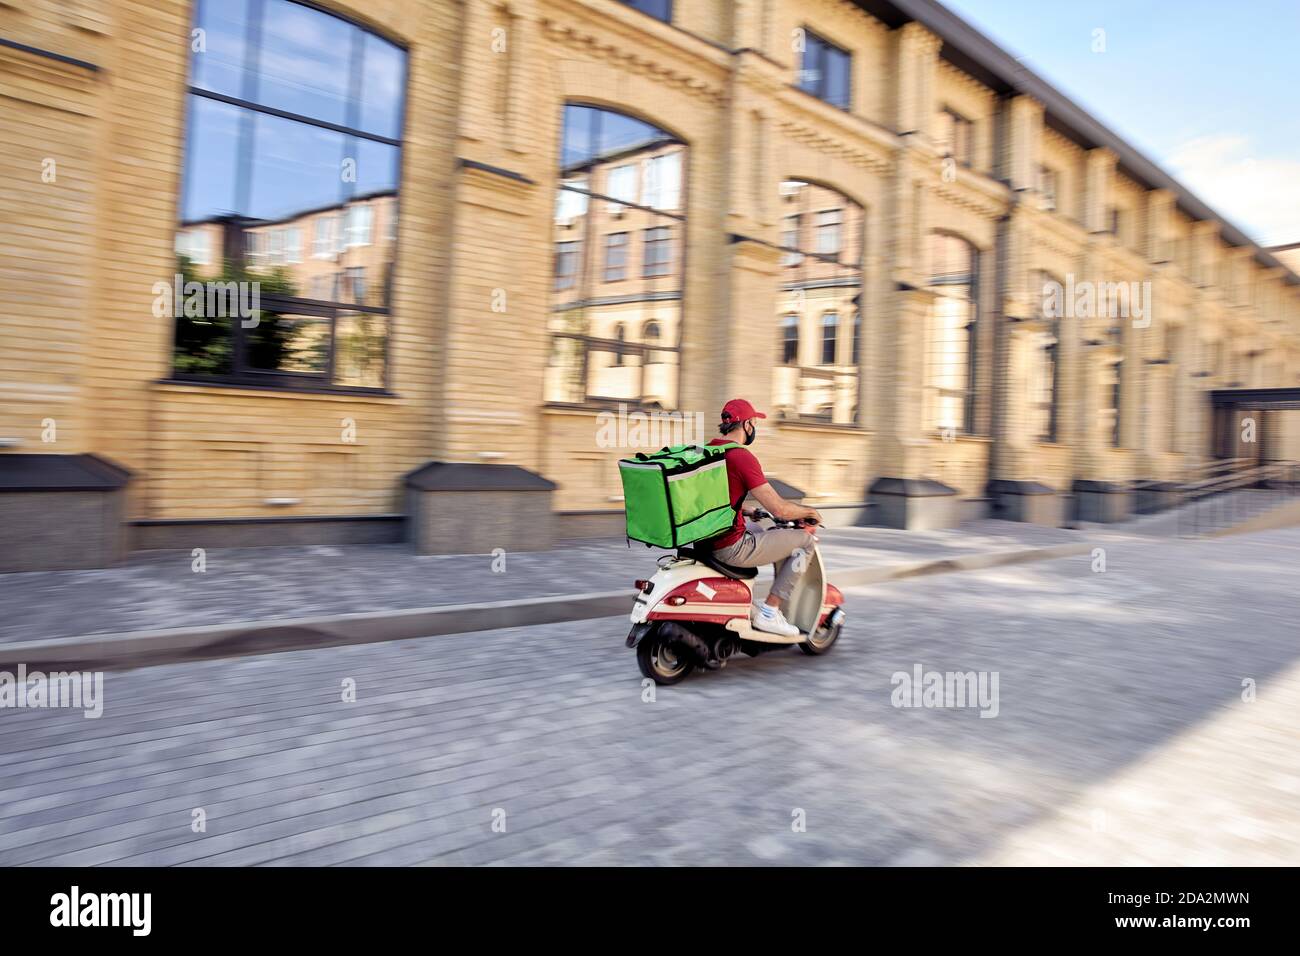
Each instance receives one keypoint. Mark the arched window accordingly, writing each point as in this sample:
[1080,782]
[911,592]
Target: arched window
[620,216]
[821,280]
[950,369]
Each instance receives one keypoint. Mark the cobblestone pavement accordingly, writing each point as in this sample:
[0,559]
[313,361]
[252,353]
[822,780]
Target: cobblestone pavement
[1121,735]
[160,589]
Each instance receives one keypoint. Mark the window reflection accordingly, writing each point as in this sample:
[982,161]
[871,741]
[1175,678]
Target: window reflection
[305,60]
[225,27]
[618,232]
[821,285]
[284,342]
[307,211]
[1044,372]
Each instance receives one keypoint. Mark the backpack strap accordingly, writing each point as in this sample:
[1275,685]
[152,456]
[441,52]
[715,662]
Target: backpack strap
[726,447]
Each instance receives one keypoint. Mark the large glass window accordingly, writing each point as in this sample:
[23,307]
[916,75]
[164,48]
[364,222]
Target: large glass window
[290,189]
[950,337]
[825,71]
[616,322]
[821,284]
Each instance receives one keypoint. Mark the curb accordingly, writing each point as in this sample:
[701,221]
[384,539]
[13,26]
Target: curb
[151,648]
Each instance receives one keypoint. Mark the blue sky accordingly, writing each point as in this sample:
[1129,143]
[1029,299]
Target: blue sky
[1208,90]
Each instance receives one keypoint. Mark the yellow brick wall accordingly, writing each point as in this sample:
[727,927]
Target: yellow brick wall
[105,237]
[50,114]
[79,256]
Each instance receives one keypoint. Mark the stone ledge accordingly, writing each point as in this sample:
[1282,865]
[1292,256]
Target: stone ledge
[40,472]
[473,508]
[911,488]
[475,476]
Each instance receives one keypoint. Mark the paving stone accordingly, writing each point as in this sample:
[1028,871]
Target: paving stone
[1118,692]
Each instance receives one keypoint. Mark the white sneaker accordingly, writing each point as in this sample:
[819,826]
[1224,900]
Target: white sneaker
[770,619]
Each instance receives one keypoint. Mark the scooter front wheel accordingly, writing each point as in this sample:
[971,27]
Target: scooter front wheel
[822,639]
[660,661]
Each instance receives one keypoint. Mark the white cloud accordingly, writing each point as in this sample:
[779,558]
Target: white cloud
[1261,194]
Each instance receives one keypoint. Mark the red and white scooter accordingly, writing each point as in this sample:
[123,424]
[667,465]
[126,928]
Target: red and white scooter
[696,612]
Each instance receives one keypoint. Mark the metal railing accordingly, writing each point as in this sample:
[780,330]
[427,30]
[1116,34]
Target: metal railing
[1224,495]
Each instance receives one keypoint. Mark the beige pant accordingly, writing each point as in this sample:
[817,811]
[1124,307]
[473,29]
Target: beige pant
[774,546]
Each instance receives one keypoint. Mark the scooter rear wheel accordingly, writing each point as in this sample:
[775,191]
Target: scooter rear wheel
[660,661]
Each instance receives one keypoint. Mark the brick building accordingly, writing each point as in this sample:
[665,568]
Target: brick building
[476,226]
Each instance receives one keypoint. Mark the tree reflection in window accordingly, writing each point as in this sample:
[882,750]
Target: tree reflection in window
[821,285]
[618,232]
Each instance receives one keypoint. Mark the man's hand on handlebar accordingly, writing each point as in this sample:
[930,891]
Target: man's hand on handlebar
[813,517]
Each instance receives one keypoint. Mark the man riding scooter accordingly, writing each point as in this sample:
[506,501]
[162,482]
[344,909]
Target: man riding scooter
[749,545]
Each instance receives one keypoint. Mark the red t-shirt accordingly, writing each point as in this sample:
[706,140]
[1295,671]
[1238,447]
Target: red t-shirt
[744,474]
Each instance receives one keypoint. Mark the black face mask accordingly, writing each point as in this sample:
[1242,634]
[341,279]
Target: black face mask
[750,433]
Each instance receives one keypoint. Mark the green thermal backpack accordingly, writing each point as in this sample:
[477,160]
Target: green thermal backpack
[677,495]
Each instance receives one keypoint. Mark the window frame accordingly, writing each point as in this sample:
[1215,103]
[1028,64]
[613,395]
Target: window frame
[820,206]
[830,322]
[623,247]
[567,250]
[663,251]
[963,127]
[241,372]
[1049,199]
[789,322]
[819,87]
[1116,403]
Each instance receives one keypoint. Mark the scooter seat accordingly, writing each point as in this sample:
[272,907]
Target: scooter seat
[707,559]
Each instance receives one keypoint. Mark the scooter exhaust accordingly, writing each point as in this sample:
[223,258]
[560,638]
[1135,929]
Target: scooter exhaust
[693,643]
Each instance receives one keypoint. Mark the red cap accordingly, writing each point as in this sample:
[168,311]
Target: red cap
[739,410]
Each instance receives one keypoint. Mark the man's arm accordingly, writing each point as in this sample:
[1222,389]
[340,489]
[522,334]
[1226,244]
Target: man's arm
[779,508]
